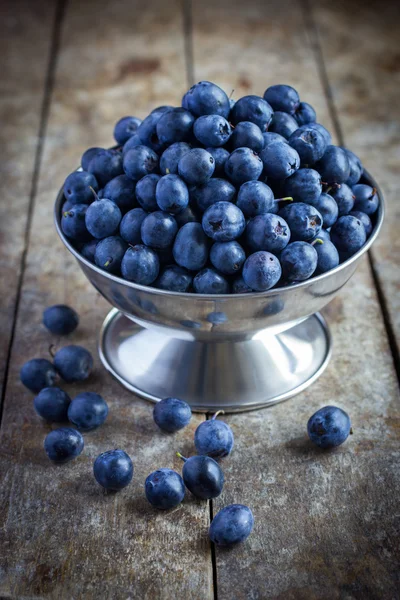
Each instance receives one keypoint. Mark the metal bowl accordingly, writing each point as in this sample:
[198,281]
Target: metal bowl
[233,352]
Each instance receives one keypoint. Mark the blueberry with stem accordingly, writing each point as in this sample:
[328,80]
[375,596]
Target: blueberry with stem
[202,476]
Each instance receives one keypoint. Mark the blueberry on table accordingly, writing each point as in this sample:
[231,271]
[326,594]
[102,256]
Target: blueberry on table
[140,161]
[212,130]
[140,265]
[267,232]
[304,220]
[223,222]
[280,160]
[106,165]
[365,220]
[88,155]
[206,98]
[38,373]
[348,235]
[196,166]
[172,194]
[171,156]
[220,156]
[305,114]
[227,257]
[214,438]
[299,261]
[60,319]
[255,198]
[73,223]
[175,126]
[102,218]
[252,108]
[334,165]
[172,414]
[214,190]
[209,281]
[240,287]
[304,185]
[344,198]
[121,190]
[159,229]
[366,198]
[309,143]
[73,363]
[52,404]
[88,411]
[282,98]
[78,187]
[329,427]
[202,476]
[231,525]
[321,129]
[270,136]
[283,123]
[261,271]
[247,135]
[109,253]
[190,248]
[328,256]
[328,208]
[356,168]
[113,469]
[243,165]
[63,444]
[125,128]
[146,192]
[164,489]
[174,279]
[130,225]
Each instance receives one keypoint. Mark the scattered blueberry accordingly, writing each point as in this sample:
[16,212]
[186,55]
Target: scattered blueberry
[164,489]
[202,476]
[38,373]
[88,411]
[60,319]
[214,438]
[231,525]
[141,265]
[74,363]
[172,414]
[52,404]
[329,427]
[261,271]
[63,444]
[113,470]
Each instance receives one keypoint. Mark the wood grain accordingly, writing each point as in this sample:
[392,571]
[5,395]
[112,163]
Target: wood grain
[62,537]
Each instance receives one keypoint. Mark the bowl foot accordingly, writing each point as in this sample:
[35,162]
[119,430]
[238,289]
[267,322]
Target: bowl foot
[233,376]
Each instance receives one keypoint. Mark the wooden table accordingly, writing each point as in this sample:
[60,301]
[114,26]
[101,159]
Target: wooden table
[326,524]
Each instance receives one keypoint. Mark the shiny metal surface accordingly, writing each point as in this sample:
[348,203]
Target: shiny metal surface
[231,321]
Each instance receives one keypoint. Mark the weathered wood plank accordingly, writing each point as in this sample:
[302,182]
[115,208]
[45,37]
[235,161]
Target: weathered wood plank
[25,31]
[61,536]
[324,522]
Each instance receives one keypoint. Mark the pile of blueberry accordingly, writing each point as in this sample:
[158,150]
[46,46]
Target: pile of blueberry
[220,196]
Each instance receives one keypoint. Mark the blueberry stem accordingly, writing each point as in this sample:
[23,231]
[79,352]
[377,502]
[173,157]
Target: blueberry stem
[94,193]
[179,455]
[317,241]
[219,412]
[51,350]
[287,199]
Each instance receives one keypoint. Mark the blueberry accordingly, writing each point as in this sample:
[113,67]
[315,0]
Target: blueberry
[321,129]
[172,414]
[240,287]
[247,135]
[113,470]
[66,207]
[309,143]
[243,165]
[174,279]
[356,168]
[223,222]
[88,155]
[328,256]
[220,156]
[299,261]
[38,373]
[227,257]
[304,186]
[102,218]
[63,444]
[322,234]
[334,166]
[254,109]
[209,281]
[125,128]
[214,438]
[172,194]
[214,190]
[365,220]
[255,198]
[171,156]
[74,363]
[196,166]
[79,186]
[106,165]
[344,198]
[270,136]
[130,226]
[304,220]
[52,404]
[131,143]
[267,232]
[348,235]
[158,230]
[146,192]
[206,98]
[187,215]
[329,427]
[191,247]
[175,126]
[202,476]
[231,525]
[121,190]
[147,131]
[280,160]
[60,319]
[282,98]
[73,223]
[89,249]
[212,130]
[261,271]
[305,114]
[160,110]
[283,123]
[328,208]
[109,253]
[140,264]
[366,198]
[164,489]
[88,411]
[140,161]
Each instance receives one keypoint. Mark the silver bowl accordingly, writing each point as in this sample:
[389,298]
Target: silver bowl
[232,352]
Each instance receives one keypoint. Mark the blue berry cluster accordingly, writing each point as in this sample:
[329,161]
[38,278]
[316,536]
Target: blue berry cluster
[220,196]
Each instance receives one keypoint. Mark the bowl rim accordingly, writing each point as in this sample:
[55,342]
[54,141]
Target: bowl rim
[213,297]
